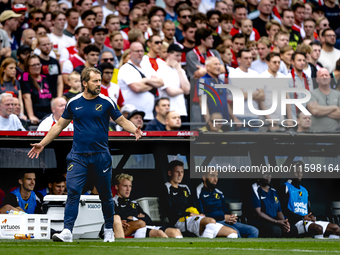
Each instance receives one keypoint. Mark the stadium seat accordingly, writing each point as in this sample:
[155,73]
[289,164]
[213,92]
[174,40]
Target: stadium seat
[236,208]
[335,209]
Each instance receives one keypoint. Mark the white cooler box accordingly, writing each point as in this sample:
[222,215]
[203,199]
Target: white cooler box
[90,217]
[37,225]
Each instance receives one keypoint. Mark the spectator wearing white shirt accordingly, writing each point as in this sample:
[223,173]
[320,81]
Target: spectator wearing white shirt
[76,60]
[88,19]
[151,60]
[264,48]
[329,55]
[176,84]
[273,61]
[58,37]
[240,77]
[138,84]
[57,106]
[8,120]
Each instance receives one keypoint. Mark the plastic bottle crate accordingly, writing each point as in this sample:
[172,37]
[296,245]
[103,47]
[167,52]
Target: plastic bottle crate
[151,207]
[38,225]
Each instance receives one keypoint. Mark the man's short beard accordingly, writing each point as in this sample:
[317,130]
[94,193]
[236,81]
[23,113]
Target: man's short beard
[189,41]
[210,185]
[45,53]
[93,92]
[330,44]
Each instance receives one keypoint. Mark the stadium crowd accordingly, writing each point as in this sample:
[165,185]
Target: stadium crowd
[171,50]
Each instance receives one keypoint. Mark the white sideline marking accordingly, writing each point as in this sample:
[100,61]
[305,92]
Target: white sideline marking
[182,248]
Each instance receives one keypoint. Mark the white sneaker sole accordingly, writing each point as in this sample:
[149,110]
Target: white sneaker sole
[57,238]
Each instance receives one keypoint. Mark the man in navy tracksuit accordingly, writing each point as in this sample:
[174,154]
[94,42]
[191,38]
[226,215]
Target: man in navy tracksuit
[90,112]
[211,203]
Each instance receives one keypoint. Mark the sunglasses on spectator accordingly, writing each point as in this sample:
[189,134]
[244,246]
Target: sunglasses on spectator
[38,19]
[107,59]
[36,65]
[158,42]
[186,16]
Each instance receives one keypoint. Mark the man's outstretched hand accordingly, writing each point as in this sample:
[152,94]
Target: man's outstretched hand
[138,133]
[35,151]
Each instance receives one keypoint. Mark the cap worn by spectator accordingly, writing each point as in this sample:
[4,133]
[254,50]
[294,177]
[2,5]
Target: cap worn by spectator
[8,15]
[174,47]
[133,113]
[23,48]
[136,2]
[19,8]
[319,9]
[66,2]
[128,108]
[99,29]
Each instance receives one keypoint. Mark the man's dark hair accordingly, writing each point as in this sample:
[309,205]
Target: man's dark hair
[76,32]
[310,19]
[175,163]
[90,48]
[155,9]
[21,174]
[298,5]
[239,54]
[87,13]
[202,34]
[46,13]
[105,65]
[237,36]
[238,6]
[55,14]
[69,11]
[83,39]
[162,98]
[35,28]
[226,17]
[316,43]
[189,25]
[271,55]
[199,16]
[326,30]
[34,11]
[286,10]
[212,12]
[57,178]
[298,53]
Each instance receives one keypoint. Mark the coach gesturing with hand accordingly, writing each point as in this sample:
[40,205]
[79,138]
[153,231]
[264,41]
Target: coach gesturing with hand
[90,112]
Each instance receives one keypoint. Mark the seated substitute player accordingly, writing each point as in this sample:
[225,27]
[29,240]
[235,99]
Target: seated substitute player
[24,198]
[56,185]
[295,206]
[266,207]
[178,205]
[211,202]
[133,215]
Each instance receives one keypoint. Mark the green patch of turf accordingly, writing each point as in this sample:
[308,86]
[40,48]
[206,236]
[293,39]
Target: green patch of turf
[173,246]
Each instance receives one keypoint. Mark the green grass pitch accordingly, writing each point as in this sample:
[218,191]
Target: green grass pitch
[185,246]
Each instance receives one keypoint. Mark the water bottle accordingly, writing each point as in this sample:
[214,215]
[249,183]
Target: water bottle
[23,236]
